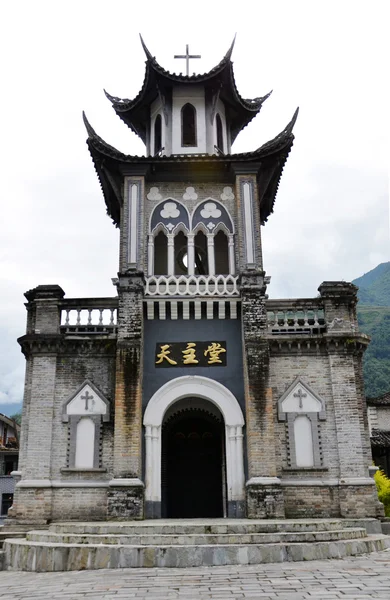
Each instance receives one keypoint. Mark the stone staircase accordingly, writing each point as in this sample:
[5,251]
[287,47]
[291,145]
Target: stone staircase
[190,543]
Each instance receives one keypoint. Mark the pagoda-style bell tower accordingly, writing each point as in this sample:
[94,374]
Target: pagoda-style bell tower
[191,283]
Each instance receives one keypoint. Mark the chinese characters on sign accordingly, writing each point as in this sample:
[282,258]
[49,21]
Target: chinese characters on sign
[195,354]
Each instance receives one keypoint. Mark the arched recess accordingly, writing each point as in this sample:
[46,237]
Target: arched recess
[218,124]
[216,393]
[188,125]
[157,134]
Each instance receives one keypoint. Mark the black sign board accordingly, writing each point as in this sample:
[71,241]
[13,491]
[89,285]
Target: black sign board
[190,354]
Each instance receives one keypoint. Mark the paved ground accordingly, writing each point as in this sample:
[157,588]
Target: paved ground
[353,578]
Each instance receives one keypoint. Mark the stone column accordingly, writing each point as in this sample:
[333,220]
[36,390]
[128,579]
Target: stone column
[191,254]
[232,262]
[210,253]
[125,496]
[150,255]
[171,254]
[263,490]
[33,493]
[346,345]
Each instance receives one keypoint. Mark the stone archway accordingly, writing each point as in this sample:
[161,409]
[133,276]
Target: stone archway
[225,401]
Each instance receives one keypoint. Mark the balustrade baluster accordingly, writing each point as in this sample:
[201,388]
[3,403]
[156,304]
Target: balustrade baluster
[89,316]
[101,316]
[78,320]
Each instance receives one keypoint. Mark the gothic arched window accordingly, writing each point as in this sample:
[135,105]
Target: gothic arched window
[201,254]
[218,123]
[160,254]
[221,253]
[188,125]
[181,254]
[157,134]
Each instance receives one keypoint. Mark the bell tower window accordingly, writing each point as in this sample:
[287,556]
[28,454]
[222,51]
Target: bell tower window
[160,254]
[188,125]
[201,254]
[218,123]
[157,135]
[181,259]
[221,250]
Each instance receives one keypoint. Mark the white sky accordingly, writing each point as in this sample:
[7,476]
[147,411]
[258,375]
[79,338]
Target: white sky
[331,217]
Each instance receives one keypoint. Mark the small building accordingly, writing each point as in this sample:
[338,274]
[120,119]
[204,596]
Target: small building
[9,454]
[379,422]
[191,393]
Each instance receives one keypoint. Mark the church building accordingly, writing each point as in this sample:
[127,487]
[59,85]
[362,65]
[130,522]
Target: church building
[191,393]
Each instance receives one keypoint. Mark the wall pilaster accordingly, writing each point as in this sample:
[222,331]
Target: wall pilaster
[32,500]
[125,498]
[346,345]
[264,494]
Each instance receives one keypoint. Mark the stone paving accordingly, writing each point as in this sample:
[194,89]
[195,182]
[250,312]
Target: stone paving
[356,578]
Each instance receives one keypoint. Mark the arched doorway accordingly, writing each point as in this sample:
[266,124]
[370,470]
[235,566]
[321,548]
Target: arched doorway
[193,475]
[162,405]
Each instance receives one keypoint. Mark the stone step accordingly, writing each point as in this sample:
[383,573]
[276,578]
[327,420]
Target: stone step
[10,534]
[212,526]
[24,555]
[197,539]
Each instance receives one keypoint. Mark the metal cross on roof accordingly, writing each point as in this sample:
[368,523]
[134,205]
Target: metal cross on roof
[187,56]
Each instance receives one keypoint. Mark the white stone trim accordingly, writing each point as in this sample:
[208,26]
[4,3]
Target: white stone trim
[134,190]
[263,481]
[50,483]
[224,400]
[309,482]
[327,482]
[130,482]
[248,223]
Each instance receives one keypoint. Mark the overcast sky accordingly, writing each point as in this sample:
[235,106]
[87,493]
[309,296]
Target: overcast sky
[331,217]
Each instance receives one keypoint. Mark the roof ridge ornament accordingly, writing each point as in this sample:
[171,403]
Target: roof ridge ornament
[148,54]
[230,51]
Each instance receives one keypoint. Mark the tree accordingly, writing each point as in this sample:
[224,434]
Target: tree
[17,417]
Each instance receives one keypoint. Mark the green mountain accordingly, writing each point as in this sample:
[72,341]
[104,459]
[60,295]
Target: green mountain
[374,319]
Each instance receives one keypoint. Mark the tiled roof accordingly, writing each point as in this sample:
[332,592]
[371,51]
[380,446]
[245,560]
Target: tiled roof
[380,438]
[383,400]
[109,162]
[157,78]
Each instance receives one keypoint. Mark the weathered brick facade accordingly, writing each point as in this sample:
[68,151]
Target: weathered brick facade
[290,392]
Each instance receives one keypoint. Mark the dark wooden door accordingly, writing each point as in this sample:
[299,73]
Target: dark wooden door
[192,467]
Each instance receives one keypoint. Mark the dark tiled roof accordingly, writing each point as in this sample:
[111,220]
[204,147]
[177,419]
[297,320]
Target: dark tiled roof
[383,400]
[380,438]
[157,78]
[272,155]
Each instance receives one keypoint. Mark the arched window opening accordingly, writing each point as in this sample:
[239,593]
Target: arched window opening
[221,252]
[157,135]
[201,257]
[181,255]
[188,125]
[304,455]
[160,254]
[218,123]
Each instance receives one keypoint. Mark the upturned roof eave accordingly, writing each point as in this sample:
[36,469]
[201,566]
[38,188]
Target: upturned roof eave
[270,158]
[221,75]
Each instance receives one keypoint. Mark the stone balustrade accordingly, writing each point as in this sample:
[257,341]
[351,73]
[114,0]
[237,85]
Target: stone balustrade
[89,315]
[304,316]
[192,285]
